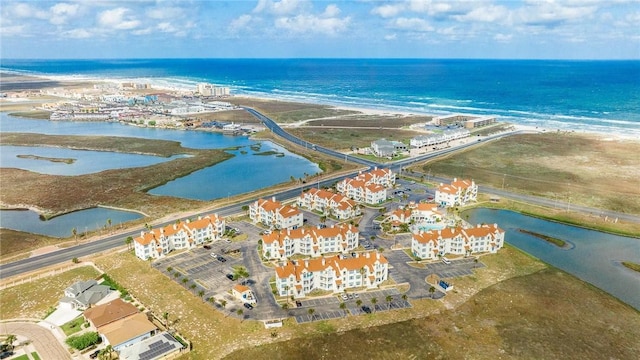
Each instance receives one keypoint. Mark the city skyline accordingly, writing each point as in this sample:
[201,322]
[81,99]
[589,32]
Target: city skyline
[570,29]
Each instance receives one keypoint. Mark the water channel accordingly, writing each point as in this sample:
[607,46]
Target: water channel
[594,257]
[250,169]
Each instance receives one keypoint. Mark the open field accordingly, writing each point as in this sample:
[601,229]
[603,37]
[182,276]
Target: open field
[569,167]
[237,116]
[122,188]
[371,121]
[287,112]
[34,299]
[545,315]
[16,242]
[345,138]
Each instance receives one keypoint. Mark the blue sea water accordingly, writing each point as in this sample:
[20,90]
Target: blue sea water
[602,96]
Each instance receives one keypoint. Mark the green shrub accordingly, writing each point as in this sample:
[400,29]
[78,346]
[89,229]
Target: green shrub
[83,341]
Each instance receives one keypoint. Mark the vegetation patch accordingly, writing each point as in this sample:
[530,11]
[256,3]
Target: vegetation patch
[269,152]
[631,265]
[73,326]
[550,239]
[14,242]
[83,341]
[346,138]
[51,159]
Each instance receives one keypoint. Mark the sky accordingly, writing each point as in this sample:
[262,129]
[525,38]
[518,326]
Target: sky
[528,29]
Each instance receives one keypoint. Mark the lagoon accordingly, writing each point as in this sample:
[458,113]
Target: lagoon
[85,161]
[595,256]
[61,226]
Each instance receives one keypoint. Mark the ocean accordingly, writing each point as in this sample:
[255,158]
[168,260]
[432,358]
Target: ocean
[594,96]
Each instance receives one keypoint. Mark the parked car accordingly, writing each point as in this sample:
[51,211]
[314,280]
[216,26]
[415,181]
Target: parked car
[446,261]
[366,309]
[230,277]
[356,295]
[248,306]
[94,354]
[213,255]
[298,303]
[208,247]
[344,297]
[221,259]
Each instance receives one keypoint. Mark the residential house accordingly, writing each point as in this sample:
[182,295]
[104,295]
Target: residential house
[128,331]
[274,214]
[83,294]
[160,346]
[459,192]
[187,234]
[104,314]
[244,294]
[336,274]
[311,241]
[329,203]
[459,241]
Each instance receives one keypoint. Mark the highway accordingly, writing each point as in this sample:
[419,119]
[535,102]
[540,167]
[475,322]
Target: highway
[116,240]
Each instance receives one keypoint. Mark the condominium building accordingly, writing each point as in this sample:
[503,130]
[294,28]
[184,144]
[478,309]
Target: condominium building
[421,141]
[458,241]
[459,192]
[274,214]
[187,234]
[329,203]
[312,241]
[336,274]
[370,187]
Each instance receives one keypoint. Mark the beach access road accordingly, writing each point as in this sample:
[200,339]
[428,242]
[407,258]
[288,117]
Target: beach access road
[46,344]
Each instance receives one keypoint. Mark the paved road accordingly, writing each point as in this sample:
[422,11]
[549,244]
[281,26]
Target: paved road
[63,255]
[45,343]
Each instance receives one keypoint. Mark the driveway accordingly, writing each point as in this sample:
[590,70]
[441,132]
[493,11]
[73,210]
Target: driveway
[42,339]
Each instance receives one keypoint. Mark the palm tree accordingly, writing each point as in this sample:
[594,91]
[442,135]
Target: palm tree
[106,353]
[176,274]
[285,306]
[404,297]
[211,299]
[128,241]
[240,312]
[9,341]
[389,299]
[374,301]
[74,232]
[311,311]
[432,290]
[193,286]
[343,307]
[185,280]
[475,263]
[109,223]
[359,302]
[201,294]
[240,272]
[245,208]
[223,303]
[165,316]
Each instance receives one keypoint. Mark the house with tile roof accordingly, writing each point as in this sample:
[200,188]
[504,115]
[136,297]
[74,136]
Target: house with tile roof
[187,234]
[274,214]
[329,203]
[310,241]
[107,313]
[128,331]
[83,294]
[425,213]
[368,187]
[338,273]
[459,241]
[244,294]
[459,192]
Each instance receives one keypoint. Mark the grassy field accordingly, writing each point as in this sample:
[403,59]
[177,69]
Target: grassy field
[16,242]
[545,315]
[237,116]
[371,121]
[345,138]
[287,112]
[570,167]
[36,298]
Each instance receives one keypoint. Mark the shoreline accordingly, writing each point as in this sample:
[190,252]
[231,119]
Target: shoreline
[174,85]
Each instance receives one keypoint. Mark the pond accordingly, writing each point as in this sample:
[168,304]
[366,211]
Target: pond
[595,256]
[61,226]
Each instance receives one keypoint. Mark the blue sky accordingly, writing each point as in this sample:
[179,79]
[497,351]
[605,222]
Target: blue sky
[530,29]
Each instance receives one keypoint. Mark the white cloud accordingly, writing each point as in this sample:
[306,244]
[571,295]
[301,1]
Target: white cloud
[61,12]
[145,31]
[390,37]
[12,30]
[240,23]
[115,19]
[162,13]
[331,10]
[490,13]
[25,11]
[77,34]
[313,24]
[550,13]
[388,10]
[282,7]
[412,24]
[503,37]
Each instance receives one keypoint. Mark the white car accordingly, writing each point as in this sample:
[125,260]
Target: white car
[344,297]
[446,261]
[213,255]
